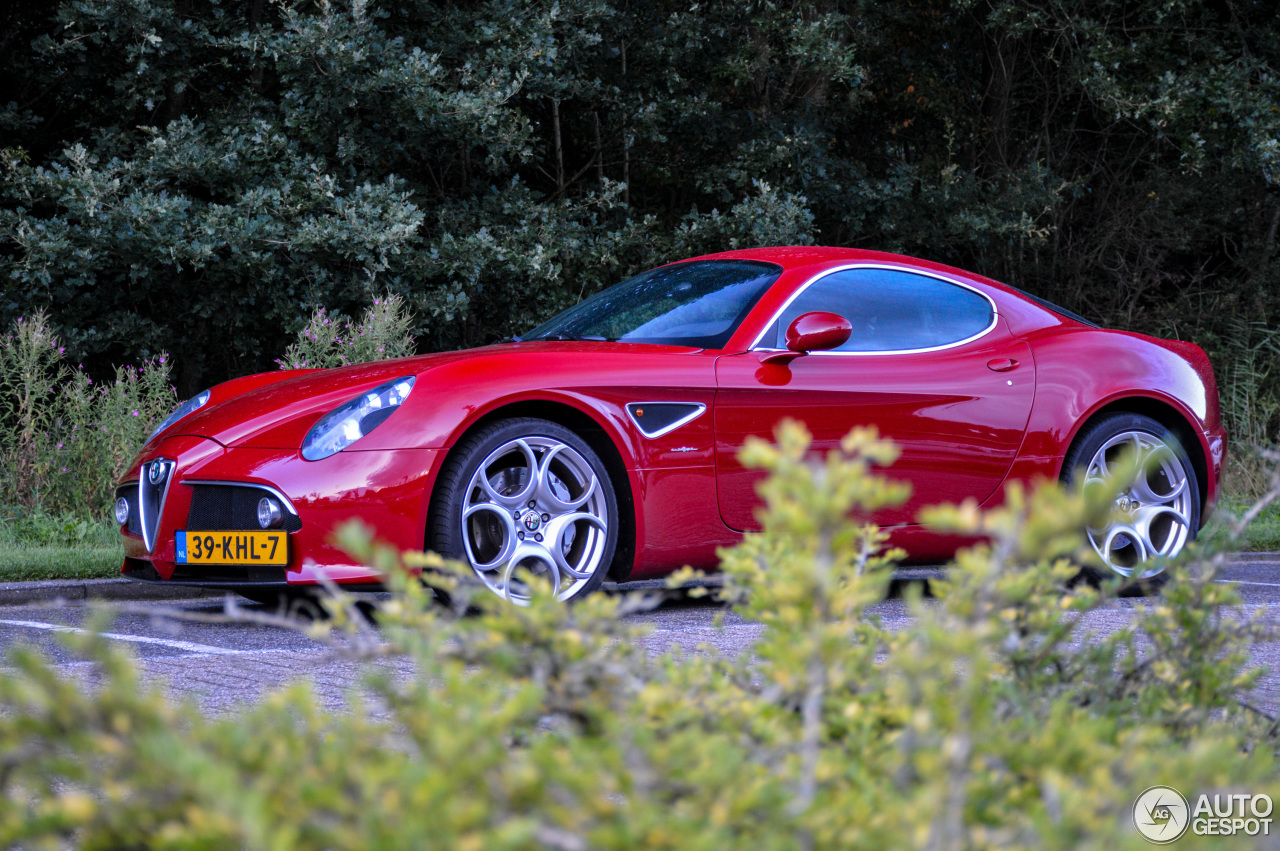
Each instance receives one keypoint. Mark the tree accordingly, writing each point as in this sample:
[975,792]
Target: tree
[182,171]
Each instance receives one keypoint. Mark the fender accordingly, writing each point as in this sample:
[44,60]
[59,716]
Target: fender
[1071,389]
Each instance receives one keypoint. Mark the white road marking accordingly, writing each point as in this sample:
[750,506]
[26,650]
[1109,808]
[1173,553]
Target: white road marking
[731,627]
[1242,582]
[189,646]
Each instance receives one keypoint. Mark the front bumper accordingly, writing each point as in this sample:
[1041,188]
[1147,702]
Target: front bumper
[386,489]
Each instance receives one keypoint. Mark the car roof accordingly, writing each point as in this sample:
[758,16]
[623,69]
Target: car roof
[795,257]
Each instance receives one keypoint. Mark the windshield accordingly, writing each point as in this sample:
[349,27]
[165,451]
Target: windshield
[698,303]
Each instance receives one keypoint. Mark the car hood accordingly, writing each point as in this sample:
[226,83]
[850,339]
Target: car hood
[278,415]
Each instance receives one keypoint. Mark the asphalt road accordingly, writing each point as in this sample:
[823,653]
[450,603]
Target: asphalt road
[225,664]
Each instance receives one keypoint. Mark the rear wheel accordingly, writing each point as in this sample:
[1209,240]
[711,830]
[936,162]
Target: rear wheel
[527,496]
[1158,513]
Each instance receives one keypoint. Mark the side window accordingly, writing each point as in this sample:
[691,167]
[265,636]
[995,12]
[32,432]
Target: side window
[892,310]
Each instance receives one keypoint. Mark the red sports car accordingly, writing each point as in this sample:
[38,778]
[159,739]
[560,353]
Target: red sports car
[604,443]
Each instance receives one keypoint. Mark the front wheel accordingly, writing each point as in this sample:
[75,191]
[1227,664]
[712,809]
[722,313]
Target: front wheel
[1158,513]
[527,496]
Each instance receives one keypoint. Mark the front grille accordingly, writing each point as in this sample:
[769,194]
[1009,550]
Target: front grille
[153,486]
[220,508]
[130,494]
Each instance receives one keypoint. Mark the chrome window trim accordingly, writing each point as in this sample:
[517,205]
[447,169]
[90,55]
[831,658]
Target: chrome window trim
[268,488]
[995,311]
[699,407]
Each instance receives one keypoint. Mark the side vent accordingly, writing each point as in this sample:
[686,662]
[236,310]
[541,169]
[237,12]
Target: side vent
[654,419]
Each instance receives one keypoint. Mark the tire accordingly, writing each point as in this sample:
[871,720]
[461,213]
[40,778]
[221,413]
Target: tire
[507,484]
[1165,512]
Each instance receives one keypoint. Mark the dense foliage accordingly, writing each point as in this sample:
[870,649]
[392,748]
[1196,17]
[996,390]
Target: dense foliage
[331,340]
[993,719]
[180,173]
[64,439]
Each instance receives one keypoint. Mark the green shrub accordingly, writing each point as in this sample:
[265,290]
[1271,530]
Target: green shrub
[66,439]
[330,340]
[100,428]
[30,370]
[993,719]
[42,529]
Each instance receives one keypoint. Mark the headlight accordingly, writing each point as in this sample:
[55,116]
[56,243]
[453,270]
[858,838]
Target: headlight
[190,406]
[346,424]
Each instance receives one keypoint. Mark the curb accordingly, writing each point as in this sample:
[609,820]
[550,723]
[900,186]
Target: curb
[20,593]
[1246,558]
[23,593]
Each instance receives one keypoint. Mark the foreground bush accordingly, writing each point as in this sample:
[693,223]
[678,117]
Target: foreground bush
[991,720]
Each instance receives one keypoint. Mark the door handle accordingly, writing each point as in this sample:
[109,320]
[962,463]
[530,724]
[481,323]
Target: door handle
[1001,364]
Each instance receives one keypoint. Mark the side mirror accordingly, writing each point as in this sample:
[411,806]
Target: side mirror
[815,331]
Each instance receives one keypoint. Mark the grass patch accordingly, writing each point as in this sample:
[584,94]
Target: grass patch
[29,563]
[1263,534]
[37,546]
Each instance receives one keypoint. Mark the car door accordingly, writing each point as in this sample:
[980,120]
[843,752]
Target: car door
[929,362]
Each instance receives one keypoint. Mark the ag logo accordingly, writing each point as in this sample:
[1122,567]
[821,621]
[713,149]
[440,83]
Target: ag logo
[1161,814]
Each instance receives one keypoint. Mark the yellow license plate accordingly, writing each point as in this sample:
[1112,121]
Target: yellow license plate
[271,548]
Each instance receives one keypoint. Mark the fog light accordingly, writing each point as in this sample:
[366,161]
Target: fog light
[122,511]
[269,514]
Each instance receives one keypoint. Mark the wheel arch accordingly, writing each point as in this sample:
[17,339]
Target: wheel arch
[1168,415]
[597,436]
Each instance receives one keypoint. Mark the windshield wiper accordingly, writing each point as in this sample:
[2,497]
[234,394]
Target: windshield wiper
[570,338]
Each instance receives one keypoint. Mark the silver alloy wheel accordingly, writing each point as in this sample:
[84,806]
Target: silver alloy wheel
[536,503]
[1153,512]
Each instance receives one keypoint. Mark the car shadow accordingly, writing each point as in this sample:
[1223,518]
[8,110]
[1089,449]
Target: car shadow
[670,599]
